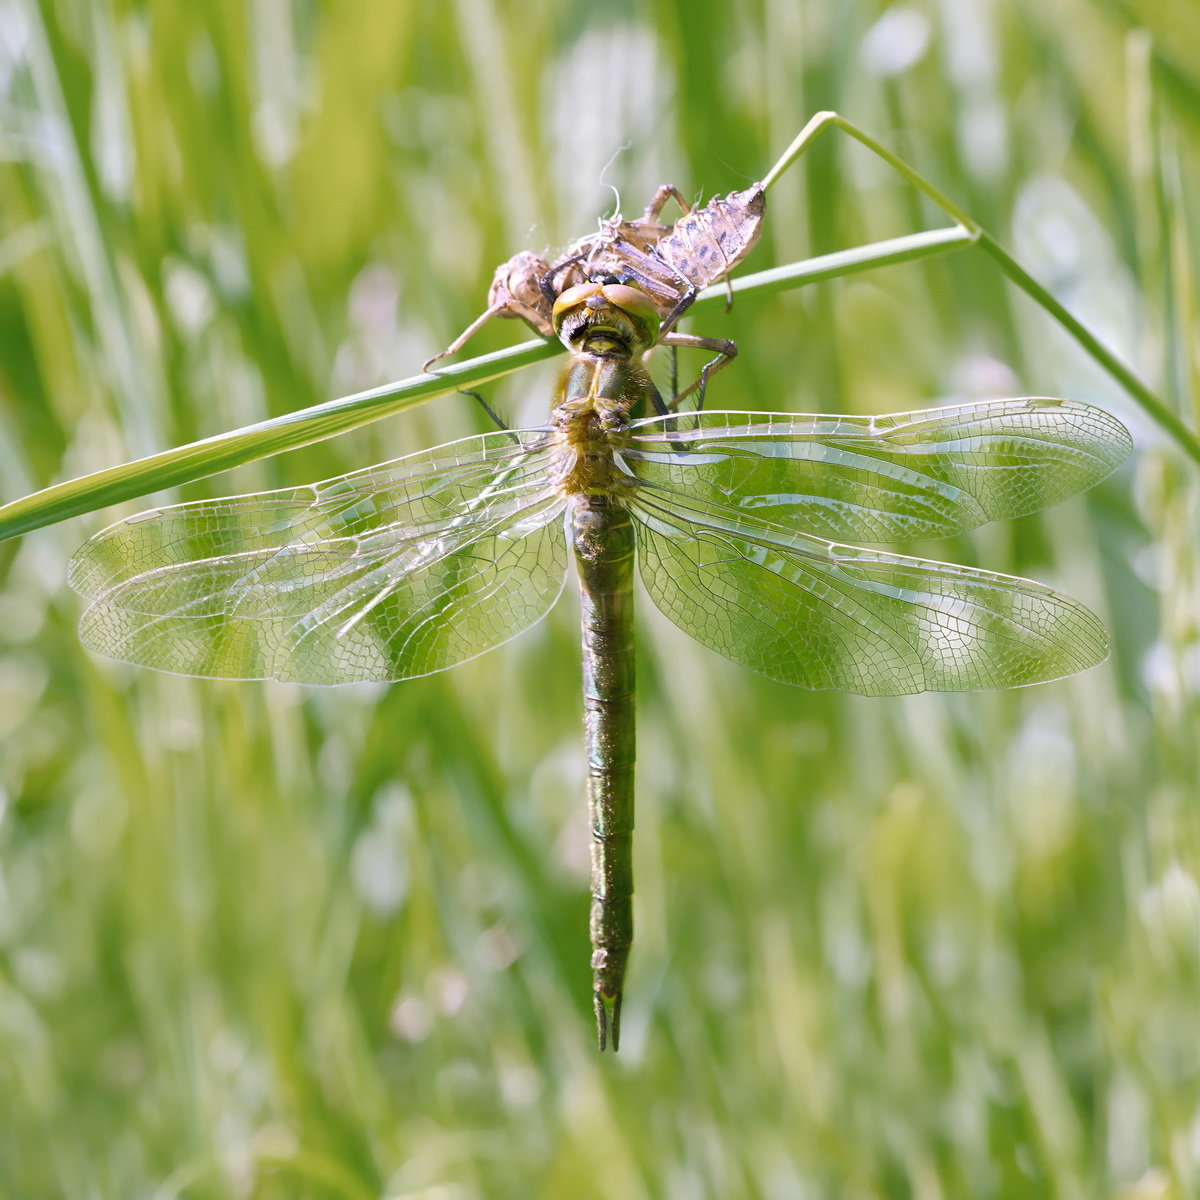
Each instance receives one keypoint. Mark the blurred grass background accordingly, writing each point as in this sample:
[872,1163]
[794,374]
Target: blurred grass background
[261,941]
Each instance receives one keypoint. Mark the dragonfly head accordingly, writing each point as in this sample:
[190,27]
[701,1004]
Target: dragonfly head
[601,315]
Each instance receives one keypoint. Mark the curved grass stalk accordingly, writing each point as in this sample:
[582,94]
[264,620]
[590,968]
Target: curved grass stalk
[1160,412]
[1164,415]
[831,120]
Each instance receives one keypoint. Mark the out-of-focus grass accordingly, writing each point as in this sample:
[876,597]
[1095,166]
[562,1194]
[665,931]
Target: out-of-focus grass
[261,941]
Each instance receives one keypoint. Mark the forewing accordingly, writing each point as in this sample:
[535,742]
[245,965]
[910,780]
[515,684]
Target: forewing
[923,474]
[822,615]
[383,574]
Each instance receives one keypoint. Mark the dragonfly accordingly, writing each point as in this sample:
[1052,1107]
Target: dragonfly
[734,520]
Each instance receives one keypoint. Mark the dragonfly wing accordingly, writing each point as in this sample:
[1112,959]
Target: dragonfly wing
[822,615]
[383,574]
[889,478]
[429,486]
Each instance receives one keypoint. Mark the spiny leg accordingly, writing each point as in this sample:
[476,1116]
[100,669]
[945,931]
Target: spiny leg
[546,282]
[656,400]
[487,408]
[507,307]
[687,297]
[725,350]
[658,202]
[514,293]
[462,339]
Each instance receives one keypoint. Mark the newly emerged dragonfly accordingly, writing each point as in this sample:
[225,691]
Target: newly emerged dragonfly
[734,520]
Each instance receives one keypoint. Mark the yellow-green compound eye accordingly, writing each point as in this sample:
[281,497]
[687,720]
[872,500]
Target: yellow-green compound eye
[573,297]
[633,301]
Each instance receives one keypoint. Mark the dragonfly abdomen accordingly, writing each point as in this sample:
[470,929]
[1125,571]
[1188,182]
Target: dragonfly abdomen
[604,550]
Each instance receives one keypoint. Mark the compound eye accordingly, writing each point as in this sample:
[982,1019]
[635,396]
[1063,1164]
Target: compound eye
[573,297]
[631,300]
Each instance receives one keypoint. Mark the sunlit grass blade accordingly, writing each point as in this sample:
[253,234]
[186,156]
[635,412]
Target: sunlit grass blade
[197,460]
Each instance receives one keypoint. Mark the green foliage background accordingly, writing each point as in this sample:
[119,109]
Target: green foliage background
[260,941]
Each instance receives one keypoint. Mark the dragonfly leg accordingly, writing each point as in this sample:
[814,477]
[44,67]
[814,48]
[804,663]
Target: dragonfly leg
[491,412]
[546,283]
[666,191]
[689,293]
[725,350]
[646,271]
[463,337]
[660,408]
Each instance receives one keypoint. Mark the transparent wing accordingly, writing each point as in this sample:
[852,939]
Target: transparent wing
[891,478]
[822,615]
[386,573]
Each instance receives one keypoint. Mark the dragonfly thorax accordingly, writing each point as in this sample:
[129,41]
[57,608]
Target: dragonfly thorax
[585,426]
[607,327]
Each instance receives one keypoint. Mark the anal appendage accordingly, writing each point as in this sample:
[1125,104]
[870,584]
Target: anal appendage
[608,1018]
